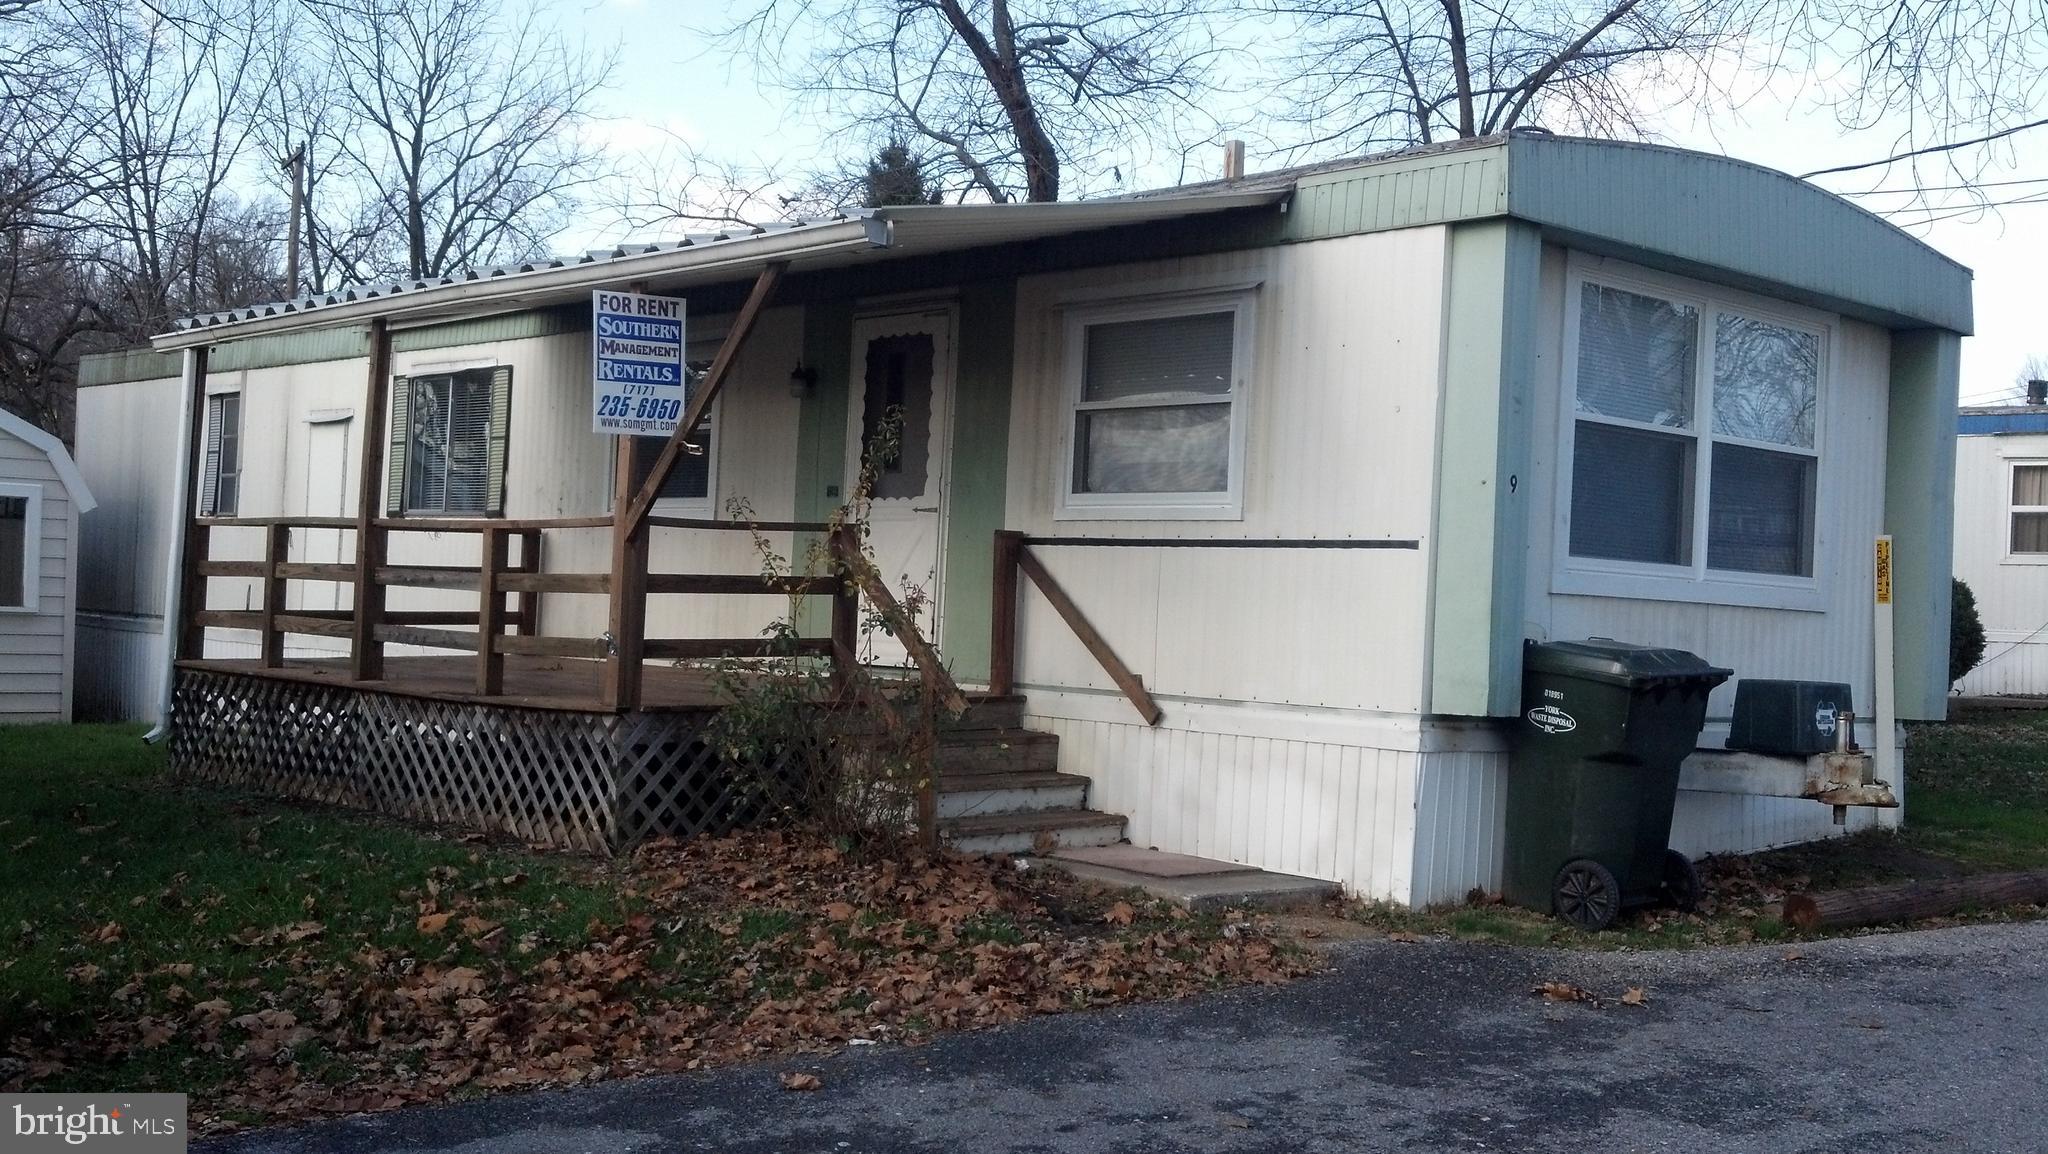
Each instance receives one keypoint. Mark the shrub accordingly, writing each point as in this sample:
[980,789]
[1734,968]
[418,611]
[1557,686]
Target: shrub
[1965,631]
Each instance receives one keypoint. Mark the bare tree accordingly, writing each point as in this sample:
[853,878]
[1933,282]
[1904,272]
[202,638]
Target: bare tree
[1948,80]
[1378,73]
[464,132]
[1001,98]
[169,99]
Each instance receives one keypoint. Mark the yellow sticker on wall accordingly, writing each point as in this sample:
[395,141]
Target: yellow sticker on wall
[1884,570]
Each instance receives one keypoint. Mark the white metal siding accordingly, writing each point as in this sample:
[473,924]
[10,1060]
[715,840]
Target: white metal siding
[2012,593]
[1342,416]
[1284,674]
[127,442]
[35,645]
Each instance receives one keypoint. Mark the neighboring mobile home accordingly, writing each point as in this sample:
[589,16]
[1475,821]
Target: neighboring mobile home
[41,496]
[2002,541]
[1313,451]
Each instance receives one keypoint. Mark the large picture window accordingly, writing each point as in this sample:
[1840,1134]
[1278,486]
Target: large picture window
[1693,435]
[1156,422]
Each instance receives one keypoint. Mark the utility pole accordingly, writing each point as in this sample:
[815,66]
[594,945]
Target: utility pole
[296,162]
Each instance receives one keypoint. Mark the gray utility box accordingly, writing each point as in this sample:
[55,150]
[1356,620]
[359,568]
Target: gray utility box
[1787,718]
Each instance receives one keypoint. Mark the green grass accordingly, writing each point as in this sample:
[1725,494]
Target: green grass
[112,878]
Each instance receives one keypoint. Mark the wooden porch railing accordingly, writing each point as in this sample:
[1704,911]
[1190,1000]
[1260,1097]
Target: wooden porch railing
[1012,557]
[508,597]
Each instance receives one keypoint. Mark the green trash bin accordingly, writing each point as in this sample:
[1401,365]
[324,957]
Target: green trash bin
[1603,729]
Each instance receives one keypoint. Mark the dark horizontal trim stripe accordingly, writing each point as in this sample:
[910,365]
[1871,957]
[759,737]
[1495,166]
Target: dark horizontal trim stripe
[1231,542]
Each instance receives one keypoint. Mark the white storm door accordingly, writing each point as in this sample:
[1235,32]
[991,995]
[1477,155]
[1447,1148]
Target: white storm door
[903,379]
[327,445]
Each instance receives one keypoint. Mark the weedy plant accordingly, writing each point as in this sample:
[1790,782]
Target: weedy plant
[834,744]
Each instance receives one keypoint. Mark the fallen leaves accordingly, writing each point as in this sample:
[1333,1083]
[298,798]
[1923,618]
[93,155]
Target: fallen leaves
[690,956]
[1558,991]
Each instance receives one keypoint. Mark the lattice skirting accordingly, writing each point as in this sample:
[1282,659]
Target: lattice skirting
[587,781]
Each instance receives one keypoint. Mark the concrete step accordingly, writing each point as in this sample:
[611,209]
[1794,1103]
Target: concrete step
[1019,833]
[1201,884]
[997,751]
[976,794]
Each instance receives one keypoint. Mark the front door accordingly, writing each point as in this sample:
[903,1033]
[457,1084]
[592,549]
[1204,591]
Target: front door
[327,445]
[901,419]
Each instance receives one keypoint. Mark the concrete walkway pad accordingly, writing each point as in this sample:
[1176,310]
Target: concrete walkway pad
[1200,884]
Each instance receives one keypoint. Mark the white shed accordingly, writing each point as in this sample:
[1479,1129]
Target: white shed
[41,497]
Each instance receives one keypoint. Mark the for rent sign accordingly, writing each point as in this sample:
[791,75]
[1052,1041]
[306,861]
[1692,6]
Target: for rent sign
[637,373]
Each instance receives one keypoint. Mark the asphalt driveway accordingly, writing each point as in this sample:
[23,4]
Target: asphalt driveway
[1930,1041]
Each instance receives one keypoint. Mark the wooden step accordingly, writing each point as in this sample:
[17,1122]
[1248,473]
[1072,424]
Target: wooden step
[998,751]
[979,794]
[1018,833]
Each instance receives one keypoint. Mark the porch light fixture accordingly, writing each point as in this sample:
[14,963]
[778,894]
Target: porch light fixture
[801,380]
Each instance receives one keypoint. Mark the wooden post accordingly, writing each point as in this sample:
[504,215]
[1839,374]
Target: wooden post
[191,586]
[490,614]
[845,618]
[635,509]
[527,620]
[1002,646]
[366,653]
[277,551]
[1133,687]
[629,588]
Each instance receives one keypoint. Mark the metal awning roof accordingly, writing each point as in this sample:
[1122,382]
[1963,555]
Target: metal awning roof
[858,237]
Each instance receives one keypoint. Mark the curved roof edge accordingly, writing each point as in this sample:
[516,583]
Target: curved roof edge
[60,457]
[1757,223]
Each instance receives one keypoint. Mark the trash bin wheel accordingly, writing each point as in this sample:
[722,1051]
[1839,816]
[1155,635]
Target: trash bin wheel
[1586,895]
[1681,881]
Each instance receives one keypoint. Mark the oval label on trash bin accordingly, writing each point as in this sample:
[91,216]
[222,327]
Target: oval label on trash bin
[1551,719]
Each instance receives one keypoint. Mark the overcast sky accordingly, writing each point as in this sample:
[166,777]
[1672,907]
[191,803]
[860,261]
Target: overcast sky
[666,83]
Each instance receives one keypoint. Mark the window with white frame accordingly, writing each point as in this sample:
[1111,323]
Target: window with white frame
[2029,513]
[21,562]
[1157,407]
[220,486]
[689,489]
[1693,435]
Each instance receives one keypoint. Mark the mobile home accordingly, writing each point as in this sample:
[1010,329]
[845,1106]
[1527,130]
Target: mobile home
[1306,456]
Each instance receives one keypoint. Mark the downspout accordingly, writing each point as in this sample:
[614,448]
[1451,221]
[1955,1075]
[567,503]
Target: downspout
[174,558]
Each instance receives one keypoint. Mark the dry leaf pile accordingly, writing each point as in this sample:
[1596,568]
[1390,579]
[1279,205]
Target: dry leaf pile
[734,949]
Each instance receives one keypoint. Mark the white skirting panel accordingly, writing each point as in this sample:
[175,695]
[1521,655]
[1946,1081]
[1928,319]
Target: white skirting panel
[1460,820]
[2011,667]
[1275,799]
[1393,808]
[118,666]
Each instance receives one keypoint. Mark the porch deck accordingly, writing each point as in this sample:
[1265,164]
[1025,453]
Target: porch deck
[566,683]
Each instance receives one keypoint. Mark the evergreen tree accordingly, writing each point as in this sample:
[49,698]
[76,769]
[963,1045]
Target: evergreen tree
[896,177]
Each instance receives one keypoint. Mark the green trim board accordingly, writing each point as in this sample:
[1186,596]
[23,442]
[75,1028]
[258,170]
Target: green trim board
[821,432]
[1491,296]
[1919,513]
[977,485]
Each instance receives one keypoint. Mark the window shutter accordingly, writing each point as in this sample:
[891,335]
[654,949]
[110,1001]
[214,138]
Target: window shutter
[501,433]
[401,435]
[209,475]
